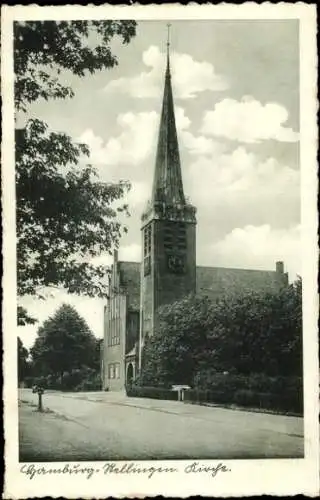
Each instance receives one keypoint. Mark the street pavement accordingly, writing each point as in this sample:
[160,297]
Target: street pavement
[110,426]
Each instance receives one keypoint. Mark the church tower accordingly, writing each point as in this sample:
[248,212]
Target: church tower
[168,229]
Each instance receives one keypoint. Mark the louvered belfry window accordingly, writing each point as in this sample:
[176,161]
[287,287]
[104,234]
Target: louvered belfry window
[175,245]
[175,236]
[147,249]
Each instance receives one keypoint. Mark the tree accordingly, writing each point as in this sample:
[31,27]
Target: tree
[180,344]
[260,332]
[244,334]
[65,214]
[23,365]
[64,344]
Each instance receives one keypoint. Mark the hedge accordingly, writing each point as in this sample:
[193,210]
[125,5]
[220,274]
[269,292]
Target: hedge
[287,402]
[284,394]
[135,391]
[257,382]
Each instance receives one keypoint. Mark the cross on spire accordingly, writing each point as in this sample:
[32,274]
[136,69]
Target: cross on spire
[168,35]
[168,48]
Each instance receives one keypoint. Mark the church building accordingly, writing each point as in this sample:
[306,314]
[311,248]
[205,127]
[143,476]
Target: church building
[168,269]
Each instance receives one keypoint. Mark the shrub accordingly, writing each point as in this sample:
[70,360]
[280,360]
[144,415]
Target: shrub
[280,393]
[69,380]
[28,382]
[257,382]
[198,396]
[290,401]
[40,381]
[90,382]
[82,379]
[216,381]
[245,397]
[151,392]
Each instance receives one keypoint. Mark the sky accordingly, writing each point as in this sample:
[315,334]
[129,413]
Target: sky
[236,92]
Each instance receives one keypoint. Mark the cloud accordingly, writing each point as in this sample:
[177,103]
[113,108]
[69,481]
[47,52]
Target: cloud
[133,144]
[259,247]
[137,139]
[200,145]
[248,121]
[190,77]
[238,188]
[240,175]
[182,120]
[195,144]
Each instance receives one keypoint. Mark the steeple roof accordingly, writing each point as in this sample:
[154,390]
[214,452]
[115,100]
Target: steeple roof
[167,182]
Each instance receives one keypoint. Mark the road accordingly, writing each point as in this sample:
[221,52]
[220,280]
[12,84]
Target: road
[110,426]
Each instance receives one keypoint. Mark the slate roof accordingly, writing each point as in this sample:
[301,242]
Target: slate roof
[214,281]
[133,352]
[167,183]
[211,281]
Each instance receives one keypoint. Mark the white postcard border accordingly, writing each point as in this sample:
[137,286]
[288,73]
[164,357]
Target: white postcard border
[247,477]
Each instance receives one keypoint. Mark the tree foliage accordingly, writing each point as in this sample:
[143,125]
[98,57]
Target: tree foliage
[64,343]
[181,343]
[65,214]
[251,333]
[24,318]
[23,365]
[64,217]
[43,49]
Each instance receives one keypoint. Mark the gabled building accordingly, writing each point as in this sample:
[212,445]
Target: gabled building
[168,269]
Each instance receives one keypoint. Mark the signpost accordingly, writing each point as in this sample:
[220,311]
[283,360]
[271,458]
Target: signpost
[40,392]
[180,389]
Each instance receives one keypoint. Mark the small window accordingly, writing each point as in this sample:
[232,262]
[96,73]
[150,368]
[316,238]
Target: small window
[117,370]
[111,371]
[114,331]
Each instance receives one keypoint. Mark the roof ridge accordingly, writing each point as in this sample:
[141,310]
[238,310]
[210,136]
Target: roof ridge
[198,266]
[237,269]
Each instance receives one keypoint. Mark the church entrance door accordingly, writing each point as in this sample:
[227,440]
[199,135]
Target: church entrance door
[129,374]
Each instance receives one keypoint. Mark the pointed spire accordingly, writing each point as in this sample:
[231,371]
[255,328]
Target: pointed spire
[167,182]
